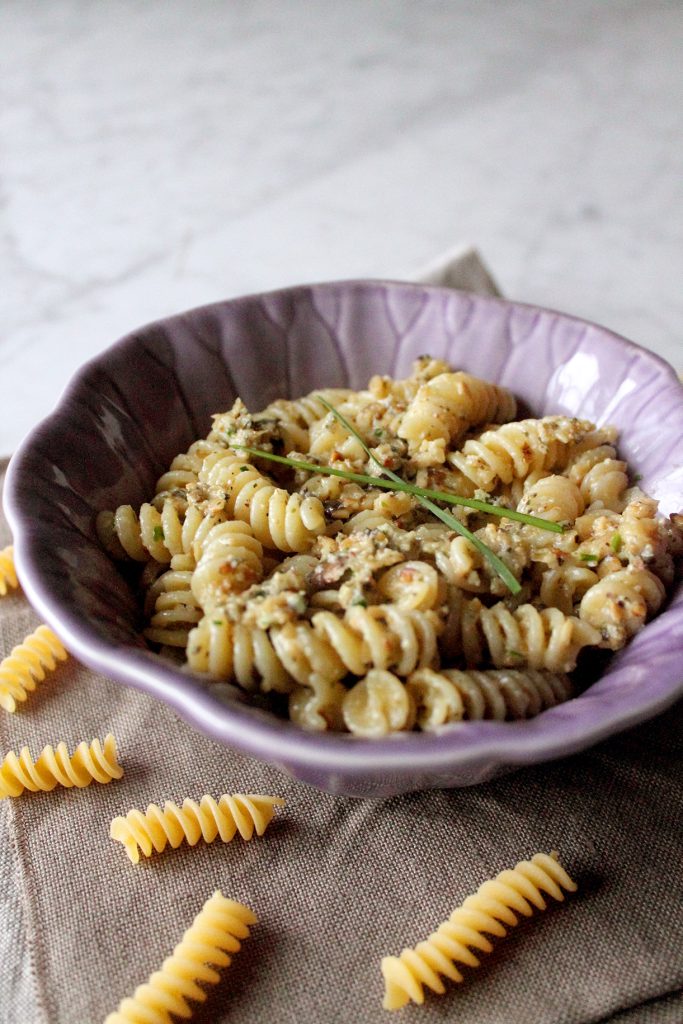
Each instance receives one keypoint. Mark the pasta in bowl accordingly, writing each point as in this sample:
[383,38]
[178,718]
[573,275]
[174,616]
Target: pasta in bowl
[340,627]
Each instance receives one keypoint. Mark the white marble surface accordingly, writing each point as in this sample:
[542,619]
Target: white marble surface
[158,155]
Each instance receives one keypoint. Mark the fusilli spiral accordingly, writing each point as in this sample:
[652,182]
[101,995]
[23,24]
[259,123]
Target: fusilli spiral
[27,665]
[377,705]
[450,403]
[496,904]
[545,639]
[155,533]
[380,636]
[279,519]
[517,450]
[172,609]
[217,931]
[564,587]
[183,472]
[8,575]
[230,559]
[619,605]
[317,707]
[294,418]
[555,497]
[90,762]
[601,477]
[450,695]
[157,828]
[227,650]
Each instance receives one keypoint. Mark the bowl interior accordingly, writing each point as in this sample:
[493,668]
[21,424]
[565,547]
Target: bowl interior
[130,410]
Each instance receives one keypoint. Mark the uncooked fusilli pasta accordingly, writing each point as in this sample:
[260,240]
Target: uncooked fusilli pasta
[94,762]
[355,607]
[27,665]
[208,819]
[8,575]
[216,932]
[491,910]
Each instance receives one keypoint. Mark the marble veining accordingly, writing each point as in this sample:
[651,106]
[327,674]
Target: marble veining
[161,155]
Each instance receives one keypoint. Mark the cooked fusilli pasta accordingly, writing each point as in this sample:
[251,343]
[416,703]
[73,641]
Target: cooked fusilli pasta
[207,820]
[378,704]
[355,607]
[516,451]
[27,665]
[452,695]
[161,534]
[183,473]
[546,639]
[295,418]
[601,478]
[490,911]
[94,762]
[620,604]
[172,609]
[216,932]
[450,403]
[230,559]
[279,519]
[8,575]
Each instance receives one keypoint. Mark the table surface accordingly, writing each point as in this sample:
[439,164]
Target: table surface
[161,155]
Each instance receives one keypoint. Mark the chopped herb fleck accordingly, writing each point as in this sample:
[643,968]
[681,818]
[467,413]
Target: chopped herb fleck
[378,432]
[616,543]
[218,622]
[588,556]
[360,602]
[243,469]
[158,533]
[514,654]
[637,477]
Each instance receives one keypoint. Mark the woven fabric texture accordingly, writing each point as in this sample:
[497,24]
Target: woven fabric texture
[336,883]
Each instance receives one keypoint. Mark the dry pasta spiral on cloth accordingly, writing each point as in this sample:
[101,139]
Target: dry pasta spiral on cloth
[27,665]
[208,819]
[284,553]
[8,575]
[94,762]
[491,910]
[216,932]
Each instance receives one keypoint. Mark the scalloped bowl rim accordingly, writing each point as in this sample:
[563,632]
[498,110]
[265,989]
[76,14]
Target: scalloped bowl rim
[546,737]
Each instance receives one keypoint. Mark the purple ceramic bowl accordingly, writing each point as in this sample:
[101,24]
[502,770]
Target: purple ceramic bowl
[131,409]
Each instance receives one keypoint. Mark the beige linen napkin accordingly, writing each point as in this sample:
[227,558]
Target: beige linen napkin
[337,883]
